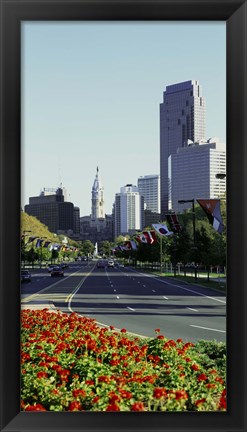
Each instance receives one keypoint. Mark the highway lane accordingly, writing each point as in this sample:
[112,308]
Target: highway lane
[43,287]
[140,303]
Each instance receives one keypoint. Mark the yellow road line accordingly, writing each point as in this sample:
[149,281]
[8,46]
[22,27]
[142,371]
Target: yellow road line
[32,296]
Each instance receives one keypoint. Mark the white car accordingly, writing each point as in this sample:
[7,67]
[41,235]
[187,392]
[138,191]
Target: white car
[110,263]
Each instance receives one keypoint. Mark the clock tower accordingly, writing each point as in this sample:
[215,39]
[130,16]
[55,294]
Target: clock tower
[98,211]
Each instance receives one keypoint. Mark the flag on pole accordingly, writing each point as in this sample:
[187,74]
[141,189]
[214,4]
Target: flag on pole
[173,222]
[141,238]
[31,239]
[38,243]
[162,230]
[150,236]
[47,244]
[212,210]
[130,245]
[133,244]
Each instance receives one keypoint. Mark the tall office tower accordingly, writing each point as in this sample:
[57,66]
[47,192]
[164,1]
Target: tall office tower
[193,173]
[76,221]
[98,211]
[49,207]
[128,210]
[149,188]
[182,118]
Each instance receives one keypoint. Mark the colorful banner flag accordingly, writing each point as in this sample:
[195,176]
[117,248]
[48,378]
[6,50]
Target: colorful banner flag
[173,222]
[133,244]
[162,230]
[141,238]
[31,239]
[47,244]
[212,210]
[150,236]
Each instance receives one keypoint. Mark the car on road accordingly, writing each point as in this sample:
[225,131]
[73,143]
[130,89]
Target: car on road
[51,267]
[25,276]
[110,263]
[64,265]
[100,264]
[57,271]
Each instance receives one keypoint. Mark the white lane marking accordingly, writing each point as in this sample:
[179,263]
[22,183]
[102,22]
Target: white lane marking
[195,310]
[144,286]
[183,288]
[207,328]
[117,329]
[130,309]
[115,290]
[165,297]
[152,290]
[118,297]
[70,297]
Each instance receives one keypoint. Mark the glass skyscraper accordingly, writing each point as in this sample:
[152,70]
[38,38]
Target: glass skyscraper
[193,173]
[182,119]
[149,188]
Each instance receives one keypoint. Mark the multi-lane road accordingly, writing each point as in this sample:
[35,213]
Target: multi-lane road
[126,298]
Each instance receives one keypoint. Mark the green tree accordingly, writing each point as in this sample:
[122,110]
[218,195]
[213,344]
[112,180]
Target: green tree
[87,247]
[105,248]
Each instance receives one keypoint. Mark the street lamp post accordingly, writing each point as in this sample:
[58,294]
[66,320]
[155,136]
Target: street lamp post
[194,225]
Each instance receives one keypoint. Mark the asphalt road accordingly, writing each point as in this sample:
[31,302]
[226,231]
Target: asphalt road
[129,299]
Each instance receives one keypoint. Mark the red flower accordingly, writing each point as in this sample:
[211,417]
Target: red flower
[210,385]
[35,407]
[138,406]
[79,392]
[220,380]
[222,404]
[181,394]
[195,367]
[104,378]
[123,330]
[75,406]
[159,392]
[125,394]
[95,400]
[157,330]
[200,401]
[202,377]
[160,337]
[42,375]
[113,407]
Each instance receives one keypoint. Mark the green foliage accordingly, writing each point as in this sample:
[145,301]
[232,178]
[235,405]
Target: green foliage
[105,248]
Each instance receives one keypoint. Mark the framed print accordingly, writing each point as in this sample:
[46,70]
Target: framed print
[64,347]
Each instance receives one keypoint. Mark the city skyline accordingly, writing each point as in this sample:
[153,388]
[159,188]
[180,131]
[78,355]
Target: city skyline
[88,104]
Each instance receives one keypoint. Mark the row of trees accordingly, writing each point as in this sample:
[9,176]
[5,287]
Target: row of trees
[209,248]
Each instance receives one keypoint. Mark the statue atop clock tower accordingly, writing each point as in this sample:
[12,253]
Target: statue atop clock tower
[98,211]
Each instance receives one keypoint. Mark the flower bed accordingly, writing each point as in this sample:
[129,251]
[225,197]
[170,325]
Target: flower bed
[68,363]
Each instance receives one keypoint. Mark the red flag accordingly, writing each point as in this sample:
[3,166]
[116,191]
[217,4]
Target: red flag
[212,210]
[150,236]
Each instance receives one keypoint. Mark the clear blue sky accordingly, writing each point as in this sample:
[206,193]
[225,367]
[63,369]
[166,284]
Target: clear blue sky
[91,93]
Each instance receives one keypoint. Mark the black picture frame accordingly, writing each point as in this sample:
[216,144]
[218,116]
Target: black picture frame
[234,12]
